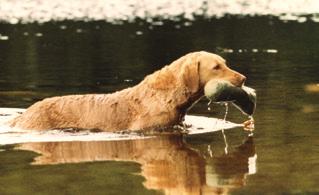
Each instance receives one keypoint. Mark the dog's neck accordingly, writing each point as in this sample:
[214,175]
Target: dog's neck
[190,101]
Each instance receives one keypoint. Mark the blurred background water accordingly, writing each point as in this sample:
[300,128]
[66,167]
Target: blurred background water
[50,48]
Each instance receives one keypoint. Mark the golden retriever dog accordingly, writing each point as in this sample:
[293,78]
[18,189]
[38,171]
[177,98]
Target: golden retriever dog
[160,100]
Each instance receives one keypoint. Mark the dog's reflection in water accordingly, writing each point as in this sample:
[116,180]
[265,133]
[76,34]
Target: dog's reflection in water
[168,164]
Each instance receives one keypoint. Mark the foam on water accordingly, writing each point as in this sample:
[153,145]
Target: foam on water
[14,137]
[8,135]
[115,11]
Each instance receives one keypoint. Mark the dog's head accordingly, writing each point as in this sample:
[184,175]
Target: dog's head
[204,67]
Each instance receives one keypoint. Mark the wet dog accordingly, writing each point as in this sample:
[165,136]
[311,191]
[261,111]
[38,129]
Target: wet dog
[160,100]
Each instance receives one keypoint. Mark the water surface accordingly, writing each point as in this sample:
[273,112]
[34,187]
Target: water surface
[279,58]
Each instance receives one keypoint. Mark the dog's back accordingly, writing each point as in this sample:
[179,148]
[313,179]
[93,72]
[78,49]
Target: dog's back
[76,111]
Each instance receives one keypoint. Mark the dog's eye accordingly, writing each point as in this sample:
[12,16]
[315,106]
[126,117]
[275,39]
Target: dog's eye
[217,67]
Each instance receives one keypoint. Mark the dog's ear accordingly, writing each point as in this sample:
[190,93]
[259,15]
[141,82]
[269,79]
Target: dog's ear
[190,75]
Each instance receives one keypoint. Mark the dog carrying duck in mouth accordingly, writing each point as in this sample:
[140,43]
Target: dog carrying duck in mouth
[160,100]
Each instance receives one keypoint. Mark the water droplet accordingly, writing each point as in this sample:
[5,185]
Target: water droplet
[225,141]
[226,111]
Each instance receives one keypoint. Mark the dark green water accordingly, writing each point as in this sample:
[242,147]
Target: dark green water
[96,57]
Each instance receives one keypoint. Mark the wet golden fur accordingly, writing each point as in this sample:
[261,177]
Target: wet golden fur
[160,100]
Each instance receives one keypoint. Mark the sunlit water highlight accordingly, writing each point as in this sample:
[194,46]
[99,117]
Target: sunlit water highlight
[26,11]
